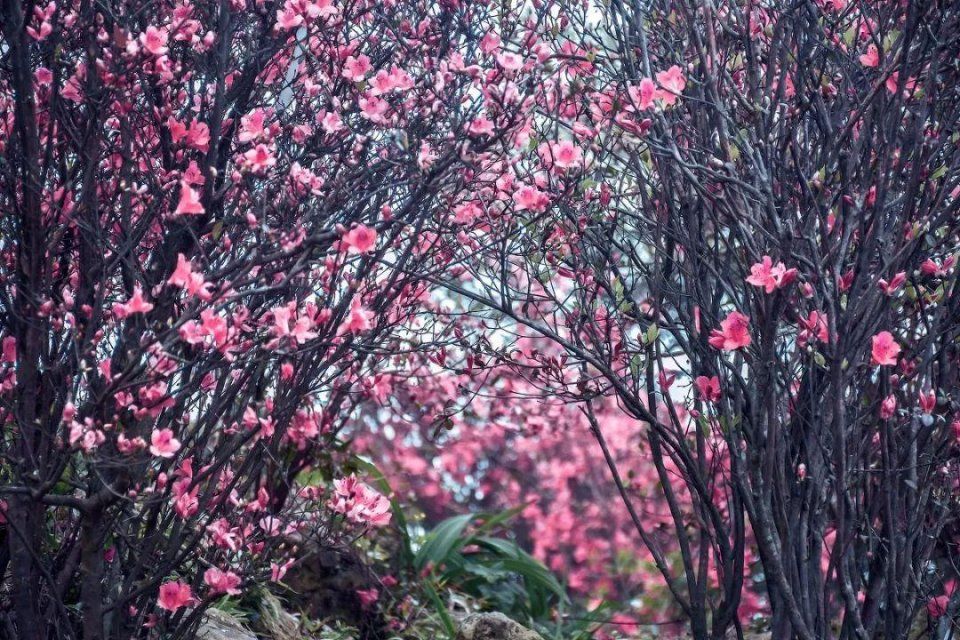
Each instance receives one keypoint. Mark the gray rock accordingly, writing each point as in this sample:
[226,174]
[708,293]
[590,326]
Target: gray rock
[493,626]
[218,625]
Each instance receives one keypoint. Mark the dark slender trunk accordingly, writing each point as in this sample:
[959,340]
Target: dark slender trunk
[24,525]
[92,570]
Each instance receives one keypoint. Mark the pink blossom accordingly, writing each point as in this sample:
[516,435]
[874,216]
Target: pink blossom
[673,83]
[222,581]
[374,109]
[467,212]
[368,597]
[734,333]
[251,126]
[888,407]
[770,277]
[174,595]
[481,126]
[933,268]
[360,239]
[288,17]
[189,200]
[563,154]
[198,136]
[127,446]
[185,277]
[330,121]
[360,503]
[893,83]
[426,157]
[871,58]
[709,388]
[490,43]
[223,535]
[927,401]
[277,571]
[644,94]
[814,326]
[509,61]
[529,198]
[259,159]
[359,319]
[136,304]
[186,504]
[895,283]
[9,352]
[357,68]
[937,606]
[884,349]
[154,40]
[163,443]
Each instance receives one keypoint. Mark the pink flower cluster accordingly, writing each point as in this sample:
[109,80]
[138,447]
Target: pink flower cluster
[360,503]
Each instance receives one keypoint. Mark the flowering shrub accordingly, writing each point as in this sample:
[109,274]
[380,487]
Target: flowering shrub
[755,262]
[217,217]
[757,265]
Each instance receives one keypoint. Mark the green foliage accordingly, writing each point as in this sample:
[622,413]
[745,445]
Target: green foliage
[463,554]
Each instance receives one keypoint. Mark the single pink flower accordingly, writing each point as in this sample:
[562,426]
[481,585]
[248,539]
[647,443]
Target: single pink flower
[813,327]
[888,408]
[357,68]
[136,304]
[259,159]
[871,58]
[734,333]
[9,349]
[251,126]
[927,401]
[528,198]
[481,126]
[174,595]
[894,285]
[374,109]
[359,319]
[154,40]
[644,94]
[770,277]
[360,239]
[222,581]
[368,597]
[709,388]
[198,136]
[163,444]
[189,200]
[673,83]
[509,61]
[563,154]
[885,349]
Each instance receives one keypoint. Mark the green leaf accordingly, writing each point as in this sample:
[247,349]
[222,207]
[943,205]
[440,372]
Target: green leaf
[515,559]
[653,332]
[499,546]
[617,291]
[441,609]
[489,521]
[444,538]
